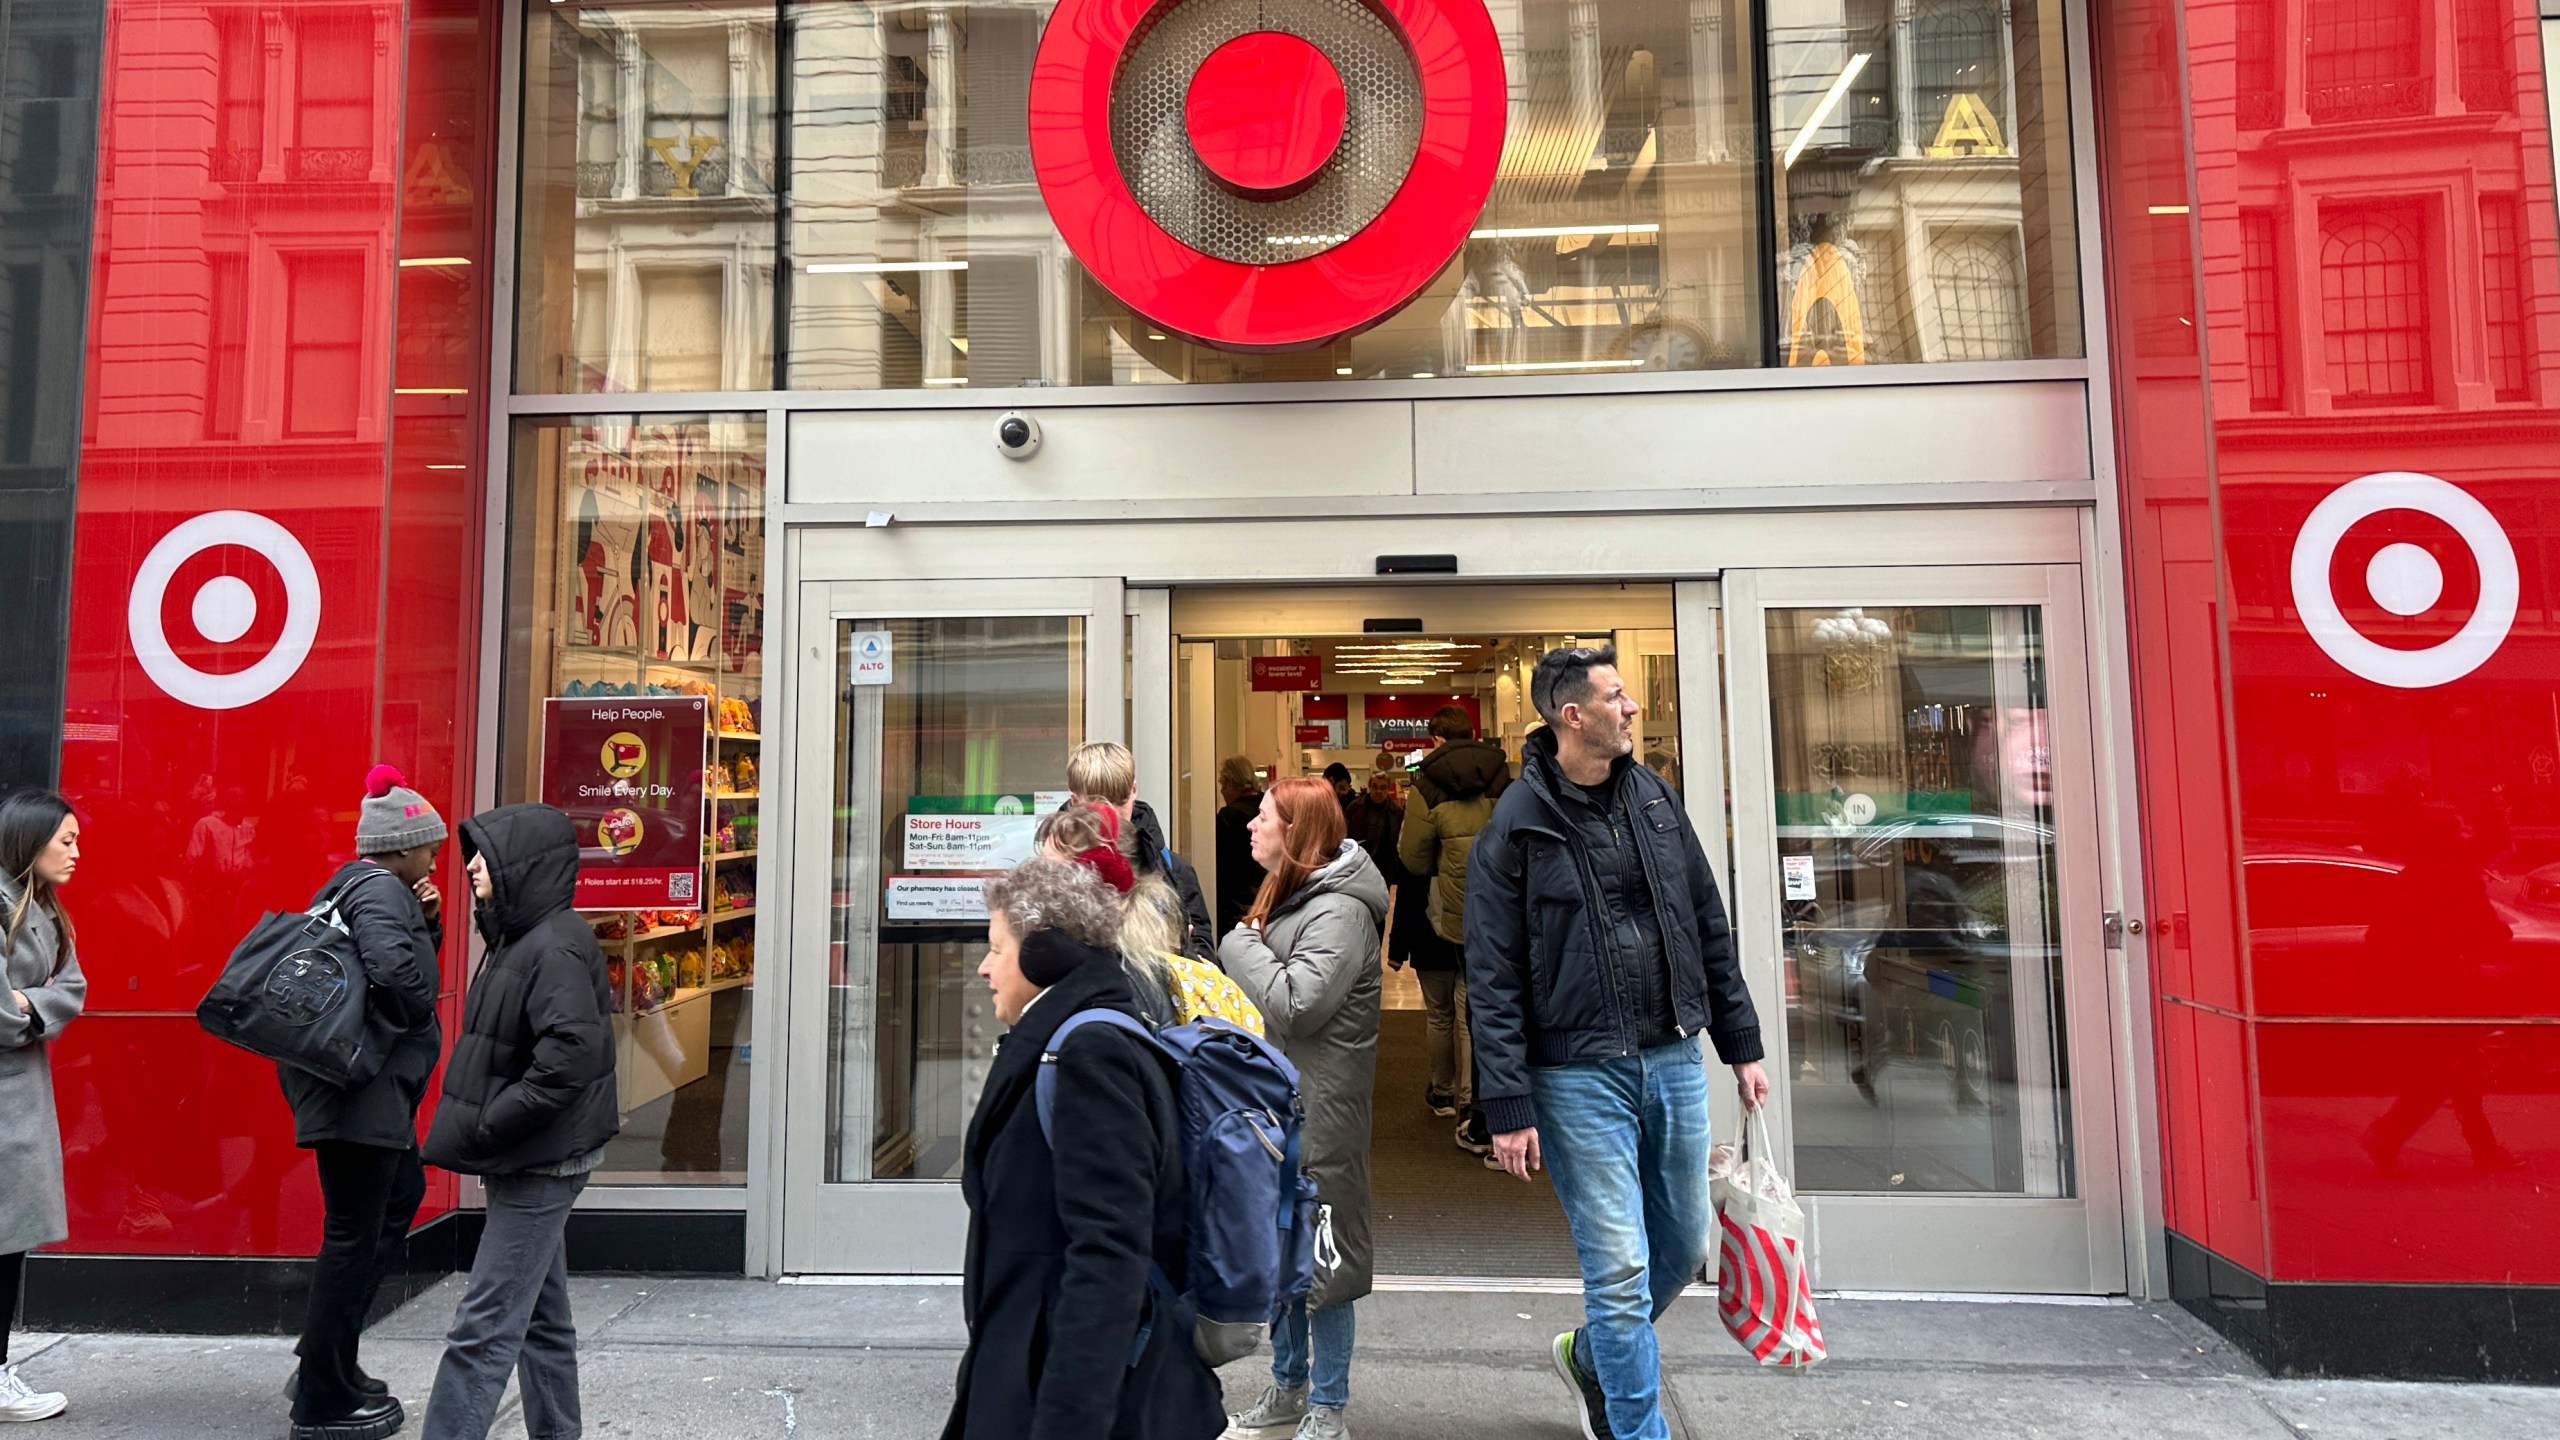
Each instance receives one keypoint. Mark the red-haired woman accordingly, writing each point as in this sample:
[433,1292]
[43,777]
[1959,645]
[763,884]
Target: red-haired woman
[1307,955]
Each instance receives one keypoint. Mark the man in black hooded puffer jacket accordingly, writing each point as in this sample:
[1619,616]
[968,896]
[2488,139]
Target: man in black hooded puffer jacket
[529,1102]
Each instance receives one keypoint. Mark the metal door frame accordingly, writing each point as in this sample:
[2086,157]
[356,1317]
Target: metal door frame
[1947,1242]
[911,1227]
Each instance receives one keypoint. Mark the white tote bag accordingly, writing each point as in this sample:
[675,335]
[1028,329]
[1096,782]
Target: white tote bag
[1764,1280]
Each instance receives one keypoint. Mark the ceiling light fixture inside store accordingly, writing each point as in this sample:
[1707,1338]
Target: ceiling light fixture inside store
[433,260]
[1518,366]
[884,267]
[1535,232]
[1830,101]
[946,379]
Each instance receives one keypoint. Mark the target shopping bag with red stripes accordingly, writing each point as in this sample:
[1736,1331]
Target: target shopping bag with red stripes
[1764,1280]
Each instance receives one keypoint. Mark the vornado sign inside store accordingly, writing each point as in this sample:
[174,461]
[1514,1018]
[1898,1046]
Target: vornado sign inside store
[934,387]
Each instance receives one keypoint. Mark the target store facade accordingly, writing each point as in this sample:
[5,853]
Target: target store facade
[2076,484]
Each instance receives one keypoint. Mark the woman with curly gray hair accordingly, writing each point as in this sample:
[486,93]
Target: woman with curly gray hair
[1056,1287]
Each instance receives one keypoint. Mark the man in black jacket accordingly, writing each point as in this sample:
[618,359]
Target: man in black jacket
[529,1102]
[365,1139]
[1105,773]
[1597,951]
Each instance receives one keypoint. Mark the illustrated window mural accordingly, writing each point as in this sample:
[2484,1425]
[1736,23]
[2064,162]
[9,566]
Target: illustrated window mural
[636,575]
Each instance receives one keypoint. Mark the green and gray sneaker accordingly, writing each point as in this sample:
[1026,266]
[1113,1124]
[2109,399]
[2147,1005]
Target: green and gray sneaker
[1570,1347]
[1277,1413]
[1323,1422]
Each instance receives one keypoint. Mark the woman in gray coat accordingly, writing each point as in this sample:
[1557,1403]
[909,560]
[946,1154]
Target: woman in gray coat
[1307,955]
[39,848]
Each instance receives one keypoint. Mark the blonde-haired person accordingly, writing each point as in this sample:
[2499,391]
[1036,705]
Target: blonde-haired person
[1173,988]
[39,850]
[1105,773]
[1307,955]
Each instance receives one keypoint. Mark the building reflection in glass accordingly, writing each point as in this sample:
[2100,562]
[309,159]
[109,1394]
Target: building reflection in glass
[868,162]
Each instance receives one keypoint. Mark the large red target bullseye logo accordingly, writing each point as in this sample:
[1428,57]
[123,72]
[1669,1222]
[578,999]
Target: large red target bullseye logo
[1291,114]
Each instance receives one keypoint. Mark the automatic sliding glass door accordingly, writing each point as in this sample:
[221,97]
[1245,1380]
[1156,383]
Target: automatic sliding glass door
[1919,862]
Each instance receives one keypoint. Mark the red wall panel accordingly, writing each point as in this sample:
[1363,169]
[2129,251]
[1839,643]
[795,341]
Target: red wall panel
[254,494]
[2376,1134]
[2375,291]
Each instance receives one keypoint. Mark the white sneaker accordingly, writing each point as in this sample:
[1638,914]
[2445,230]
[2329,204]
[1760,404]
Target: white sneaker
[17,1402]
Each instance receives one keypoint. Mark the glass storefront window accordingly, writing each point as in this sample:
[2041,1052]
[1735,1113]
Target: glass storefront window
[839,194]
[1620,234]
[1916,844]
[942,774]
[636,569]
[647,216]
[1925,209]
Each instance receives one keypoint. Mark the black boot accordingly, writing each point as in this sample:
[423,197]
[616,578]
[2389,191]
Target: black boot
[366,1386]
[376,1419]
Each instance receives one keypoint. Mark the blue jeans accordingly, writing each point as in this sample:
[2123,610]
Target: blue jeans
[1626,1141]
[1332,1329]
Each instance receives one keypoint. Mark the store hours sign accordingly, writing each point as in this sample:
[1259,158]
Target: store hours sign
[628,774]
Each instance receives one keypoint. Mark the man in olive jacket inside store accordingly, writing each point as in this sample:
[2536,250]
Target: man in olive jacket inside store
[1597,952]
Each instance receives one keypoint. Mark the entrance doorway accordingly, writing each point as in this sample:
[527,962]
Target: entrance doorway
[1347,687]
[1891,771]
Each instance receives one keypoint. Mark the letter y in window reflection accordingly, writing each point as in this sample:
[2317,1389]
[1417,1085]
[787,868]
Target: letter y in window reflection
[697,148]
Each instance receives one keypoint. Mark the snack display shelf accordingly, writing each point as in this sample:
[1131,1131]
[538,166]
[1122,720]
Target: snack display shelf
[741,736]
[725,856]
[695,992]
[663,932]
[738,795]
[741,913]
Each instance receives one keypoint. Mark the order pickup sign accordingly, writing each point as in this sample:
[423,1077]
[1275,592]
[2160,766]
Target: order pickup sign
[628,773]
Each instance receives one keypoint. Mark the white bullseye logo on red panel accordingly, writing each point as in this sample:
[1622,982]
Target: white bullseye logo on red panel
[223,609]
[2405,580]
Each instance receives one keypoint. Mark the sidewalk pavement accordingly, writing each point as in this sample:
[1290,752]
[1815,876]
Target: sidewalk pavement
[733,1359]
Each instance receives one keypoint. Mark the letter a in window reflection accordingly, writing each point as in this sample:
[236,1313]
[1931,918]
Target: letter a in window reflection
[1825,324]
[1968,129]
[697,148]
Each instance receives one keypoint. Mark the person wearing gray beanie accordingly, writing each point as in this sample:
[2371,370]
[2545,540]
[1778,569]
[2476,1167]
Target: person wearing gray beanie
[394,817]
[365,1138]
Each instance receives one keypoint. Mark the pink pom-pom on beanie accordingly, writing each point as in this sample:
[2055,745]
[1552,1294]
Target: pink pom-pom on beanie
[393,816]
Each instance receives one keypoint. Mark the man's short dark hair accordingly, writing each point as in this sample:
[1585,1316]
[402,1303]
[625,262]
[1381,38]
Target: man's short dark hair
[1452,722]
[1338,771]
[1563,677]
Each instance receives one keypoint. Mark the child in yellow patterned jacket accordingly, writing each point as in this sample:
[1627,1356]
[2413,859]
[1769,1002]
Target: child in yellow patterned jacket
[1173,988]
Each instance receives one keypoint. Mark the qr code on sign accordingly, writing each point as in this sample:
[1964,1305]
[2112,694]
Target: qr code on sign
[680,887]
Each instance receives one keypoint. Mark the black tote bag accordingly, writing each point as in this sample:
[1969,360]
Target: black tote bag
[294,992]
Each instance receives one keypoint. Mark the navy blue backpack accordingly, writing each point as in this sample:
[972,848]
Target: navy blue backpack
[1254,1215]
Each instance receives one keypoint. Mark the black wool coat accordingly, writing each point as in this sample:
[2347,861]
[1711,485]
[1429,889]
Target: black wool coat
[397,944]
[1154,857]
[1056,1285]
[531,1081]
